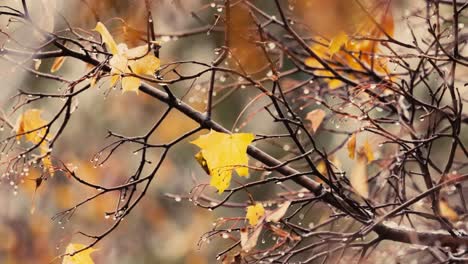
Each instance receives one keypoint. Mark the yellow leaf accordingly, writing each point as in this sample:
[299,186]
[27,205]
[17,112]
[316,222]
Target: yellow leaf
[107,38]
[115,77]
[447,212]
[202,162]
[82,257]
[132,60]
[119,64]
[224,152]
[358,176]
[276,215]
[352,146]
[48,167]
[254,213]
[322,167]
[146,65]
[130,84]
[367,149]
[58,62]
[316,117]
[137,52]
[337,42]
[27,124]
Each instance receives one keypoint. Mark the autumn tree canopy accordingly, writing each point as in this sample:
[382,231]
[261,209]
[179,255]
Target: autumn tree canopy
[234,131]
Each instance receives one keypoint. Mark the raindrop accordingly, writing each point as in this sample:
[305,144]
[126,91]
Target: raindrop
[271,45]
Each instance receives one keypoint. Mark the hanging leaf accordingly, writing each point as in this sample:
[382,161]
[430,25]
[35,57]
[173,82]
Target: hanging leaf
[107,38]
[254,213]
[352,146]
[82,257]
[58,62]
[223,153]
[276,215]
[316,117]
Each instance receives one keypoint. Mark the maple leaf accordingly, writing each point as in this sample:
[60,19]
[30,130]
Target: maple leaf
[223,153]
[254,213]
[30,125]
[82,257]
[125,61]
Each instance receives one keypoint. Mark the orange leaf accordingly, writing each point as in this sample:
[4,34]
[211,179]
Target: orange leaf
[58,62]
[352,146]
[447,212]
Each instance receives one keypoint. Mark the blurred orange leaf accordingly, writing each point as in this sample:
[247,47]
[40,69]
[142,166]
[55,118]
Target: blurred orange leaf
[352,146]
[58,63]
[447,211]
[82,257]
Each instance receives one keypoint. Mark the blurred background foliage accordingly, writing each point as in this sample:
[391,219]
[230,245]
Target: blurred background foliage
[161,229]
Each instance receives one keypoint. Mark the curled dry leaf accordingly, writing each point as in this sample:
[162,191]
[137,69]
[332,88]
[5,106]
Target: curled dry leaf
[58,62]
[316,118]
[249,242]
[276,215]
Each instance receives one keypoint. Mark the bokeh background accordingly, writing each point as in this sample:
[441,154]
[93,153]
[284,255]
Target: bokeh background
[161,229]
